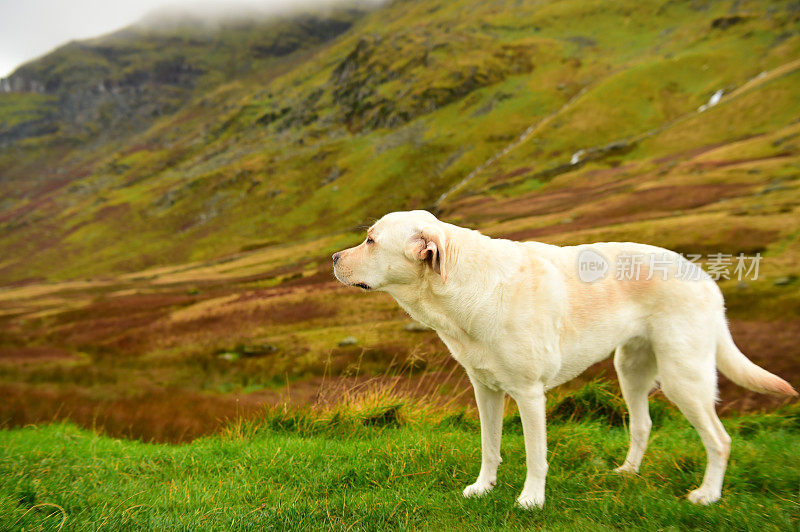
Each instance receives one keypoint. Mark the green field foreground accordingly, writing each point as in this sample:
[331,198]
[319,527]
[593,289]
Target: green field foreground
[397,466]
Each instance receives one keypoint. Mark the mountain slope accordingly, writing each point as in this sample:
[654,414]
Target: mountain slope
[250,138]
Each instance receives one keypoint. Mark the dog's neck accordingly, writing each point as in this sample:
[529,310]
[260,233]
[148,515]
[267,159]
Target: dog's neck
[456,306]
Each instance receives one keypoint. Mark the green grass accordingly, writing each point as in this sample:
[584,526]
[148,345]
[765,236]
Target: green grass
[18,108]
[395,467]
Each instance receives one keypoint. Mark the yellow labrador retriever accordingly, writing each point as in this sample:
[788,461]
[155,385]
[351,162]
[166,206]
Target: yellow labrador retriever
[523,317]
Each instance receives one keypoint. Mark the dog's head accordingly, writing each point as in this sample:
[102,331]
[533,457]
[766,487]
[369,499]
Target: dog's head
[400,249]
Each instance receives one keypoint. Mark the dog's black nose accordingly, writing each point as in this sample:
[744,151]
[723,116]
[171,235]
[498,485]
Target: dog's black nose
[336,257]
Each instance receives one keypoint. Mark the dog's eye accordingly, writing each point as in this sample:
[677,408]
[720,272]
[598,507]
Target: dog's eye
[369,240]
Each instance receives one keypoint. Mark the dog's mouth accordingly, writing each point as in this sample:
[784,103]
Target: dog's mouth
[362,285]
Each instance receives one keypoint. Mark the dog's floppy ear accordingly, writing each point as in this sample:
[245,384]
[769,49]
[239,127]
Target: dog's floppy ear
[429,245]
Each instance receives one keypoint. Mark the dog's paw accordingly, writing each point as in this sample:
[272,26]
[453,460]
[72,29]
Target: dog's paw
[530,502]
[703,496]
[478,489]
[626,469]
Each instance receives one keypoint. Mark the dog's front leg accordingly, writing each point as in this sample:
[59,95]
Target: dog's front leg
[531,403]
[490,408]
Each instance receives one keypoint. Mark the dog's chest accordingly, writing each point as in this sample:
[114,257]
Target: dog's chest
[481,364]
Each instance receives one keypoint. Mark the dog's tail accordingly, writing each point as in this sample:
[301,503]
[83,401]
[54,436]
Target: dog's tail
[738,368]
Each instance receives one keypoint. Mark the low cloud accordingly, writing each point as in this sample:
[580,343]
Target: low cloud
[33,28]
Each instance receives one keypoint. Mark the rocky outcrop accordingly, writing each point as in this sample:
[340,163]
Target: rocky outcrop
[358,83]
[93,94]
[21,84]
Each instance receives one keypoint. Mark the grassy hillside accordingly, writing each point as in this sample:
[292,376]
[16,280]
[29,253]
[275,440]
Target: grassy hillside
[365,470]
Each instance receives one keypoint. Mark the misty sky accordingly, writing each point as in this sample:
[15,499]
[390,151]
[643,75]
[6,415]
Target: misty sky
[30,28]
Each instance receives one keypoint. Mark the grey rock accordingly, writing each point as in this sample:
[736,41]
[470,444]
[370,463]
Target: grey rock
[349,340]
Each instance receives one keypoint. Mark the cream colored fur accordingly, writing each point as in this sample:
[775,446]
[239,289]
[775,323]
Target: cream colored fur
[520,320]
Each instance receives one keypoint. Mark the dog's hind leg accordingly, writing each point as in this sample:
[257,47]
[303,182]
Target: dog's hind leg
[688,375]
[490,408]
[636,369]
